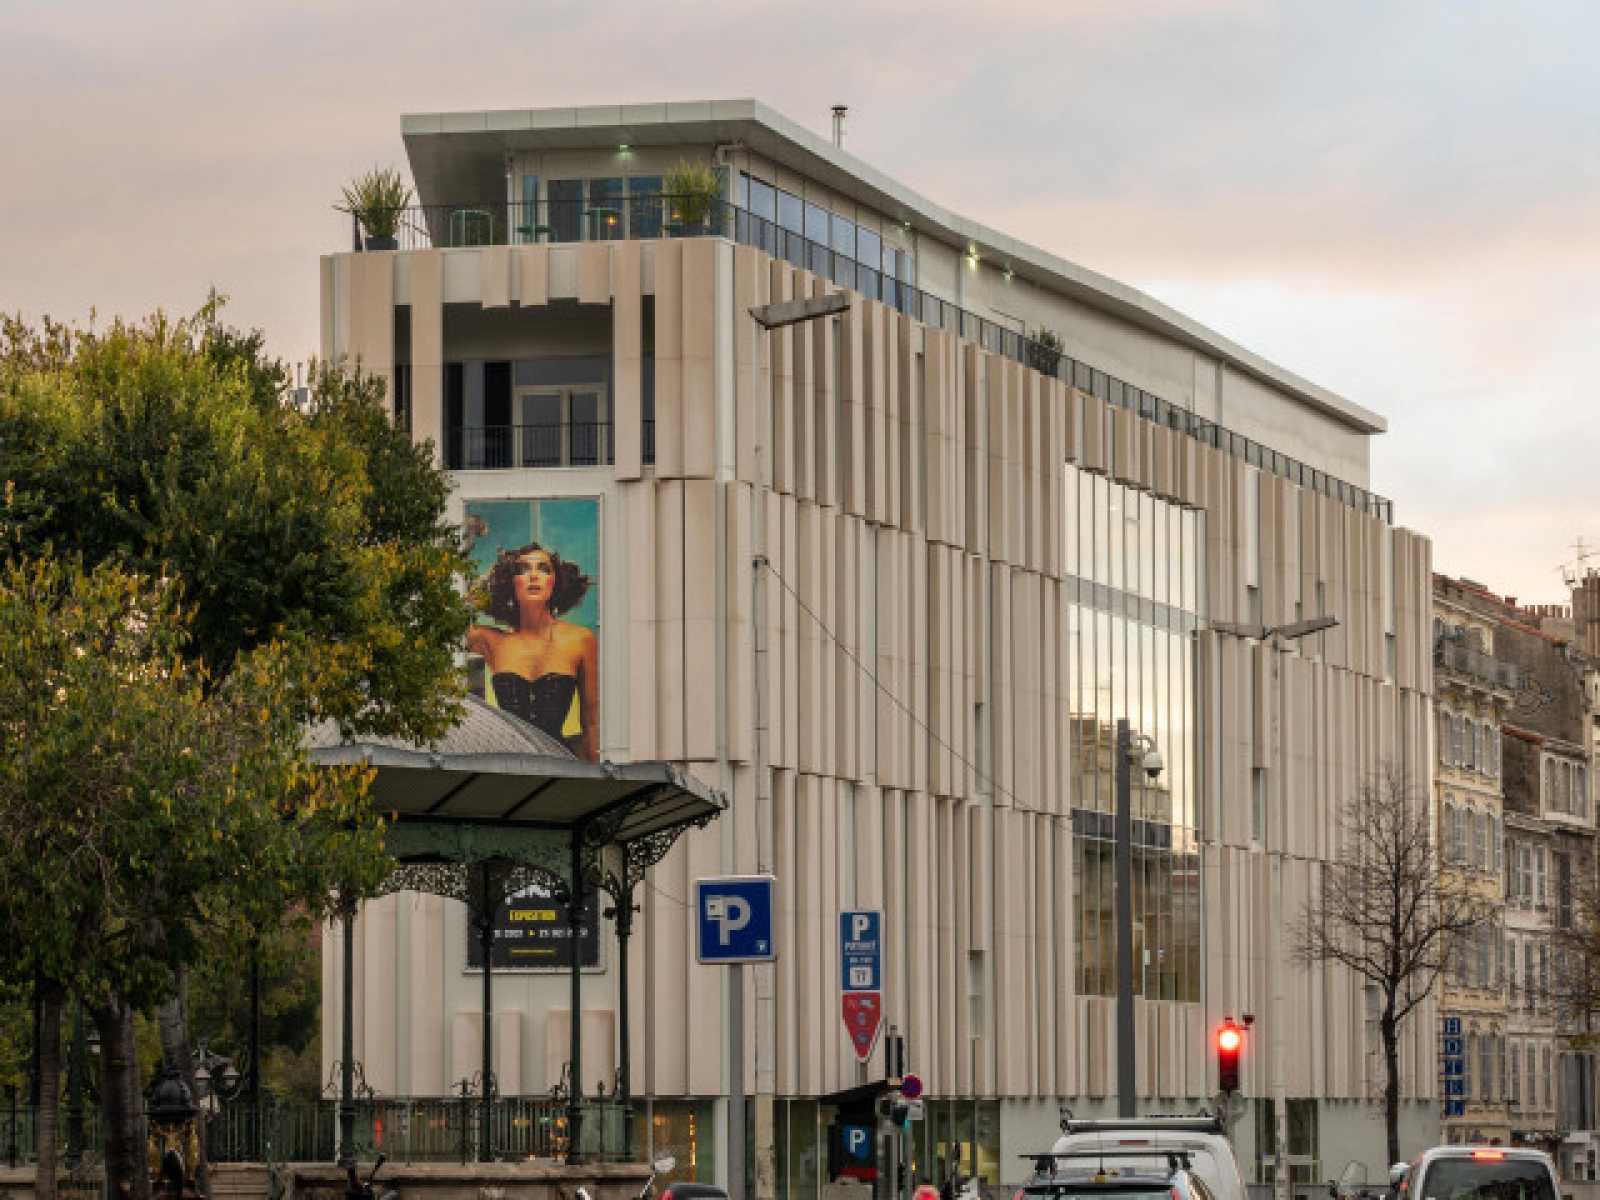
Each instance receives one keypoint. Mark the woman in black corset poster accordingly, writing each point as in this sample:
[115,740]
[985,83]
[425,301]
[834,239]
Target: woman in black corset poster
[536,662]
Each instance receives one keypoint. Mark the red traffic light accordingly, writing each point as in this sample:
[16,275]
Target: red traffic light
[1230,1041]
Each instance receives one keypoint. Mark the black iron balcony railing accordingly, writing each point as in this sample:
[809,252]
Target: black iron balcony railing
[499,447]
[635,217]
[497,223]
[1455,655]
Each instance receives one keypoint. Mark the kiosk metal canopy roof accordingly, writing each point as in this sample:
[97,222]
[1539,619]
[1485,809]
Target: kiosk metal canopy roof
[493,769]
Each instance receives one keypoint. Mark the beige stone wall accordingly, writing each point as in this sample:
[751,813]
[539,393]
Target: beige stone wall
[913,507]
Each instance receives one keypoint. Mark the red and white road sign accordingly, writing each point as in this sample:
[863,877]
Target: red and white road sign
[863,1017]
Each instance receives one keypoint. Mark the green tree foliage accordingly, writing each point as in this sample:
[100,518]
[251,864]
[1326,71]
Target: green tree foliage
[164,447]
[289,973]
[293,561]
[146,808]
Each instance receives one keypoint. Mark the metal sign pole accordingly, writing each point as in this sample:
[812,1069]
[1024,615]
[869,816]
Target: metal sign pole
[736,1117]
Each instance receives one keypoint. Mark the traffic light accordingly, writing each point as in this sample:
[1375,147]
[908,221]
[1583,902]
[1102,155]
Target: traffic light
[1230,1041]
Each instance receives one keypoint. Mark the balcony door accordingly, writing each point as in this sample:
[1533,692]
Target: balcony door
[563,426]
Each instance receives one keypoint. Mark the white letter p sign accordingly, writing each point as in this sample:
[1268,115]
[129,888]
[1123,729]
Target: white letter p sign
[731,913]
[859,924]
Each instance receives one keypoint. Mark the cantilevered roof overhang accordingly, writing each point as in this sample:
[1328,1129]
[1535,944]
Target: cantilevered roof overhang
[494,770]
[459,158]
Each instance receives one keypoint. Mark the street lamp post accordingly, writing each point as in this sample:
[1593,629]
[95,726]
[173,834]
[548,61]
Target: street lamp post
[768,317]
[1132,750]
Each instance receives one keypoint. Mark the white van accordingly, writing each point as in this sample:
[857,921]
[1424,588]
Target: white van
[1480,1173]
[1199,1139]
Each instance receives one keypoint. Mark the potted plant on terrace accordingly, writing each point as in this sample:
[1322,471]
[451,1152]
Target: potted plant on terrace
[376,199]
[692,191]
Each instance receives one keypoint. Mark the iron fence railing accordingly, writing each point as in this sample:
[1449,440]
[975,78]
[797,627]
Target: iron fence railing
[491,447]
[406,1129]
[664,216]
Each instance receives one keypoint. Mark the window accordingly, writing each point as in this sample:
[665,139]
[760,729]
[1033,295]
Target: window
[527,215]
[763,200]
[1563,873]
[791,213]
[563,426]
[566,210]
[1544,978]
[1447,830]
[644,206]
[1480,841]
[1444,736]
[1469,1063]
[606,215]
[1515,1074]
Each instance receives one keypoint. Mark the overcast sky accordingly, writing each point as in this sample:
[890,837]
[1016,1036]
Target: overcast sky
[1396,200]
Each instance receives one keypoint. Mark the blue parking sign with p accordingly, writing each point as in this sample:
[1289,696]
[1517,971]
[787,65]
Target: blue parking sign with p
[860,950]
[858,1142]
[733,919]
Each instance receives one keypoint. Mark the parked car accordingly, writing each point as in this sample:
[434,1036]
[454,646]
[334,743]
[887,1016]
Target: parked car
[1200,1143]
[1093,1176]
[1477,1173]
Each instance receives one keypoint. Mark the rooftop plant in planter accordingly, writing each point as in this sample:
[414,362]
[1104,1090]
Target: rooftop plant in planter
[693,189]
[377,199]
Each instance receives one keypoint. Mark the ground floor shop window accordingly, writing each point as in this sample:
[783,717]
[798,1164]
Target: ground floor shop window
[959,1135]
[685,1129]
[1303,1153]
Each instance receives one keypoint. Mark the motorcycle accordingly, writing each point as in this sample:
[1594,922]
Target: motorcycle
[357,1189]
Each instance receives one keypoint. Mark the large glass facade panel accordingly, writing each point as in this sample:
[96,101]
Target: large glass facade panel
[1133,585]
[791,213]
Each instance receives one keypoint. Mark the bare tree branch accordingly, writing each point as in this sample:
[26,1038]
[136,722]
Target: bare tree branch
[1388,913]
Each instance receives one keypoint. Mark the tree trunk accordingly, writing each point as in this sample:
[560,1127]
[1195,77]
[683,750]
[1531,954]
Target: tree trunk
[1391,1083]
[122,1109]
[47,1119]
[172,1020]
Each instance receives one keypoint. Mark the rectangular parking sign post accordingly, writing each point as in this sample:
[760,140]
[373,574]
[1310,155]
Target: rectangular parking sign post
[861,977]
[733,919]
[860,951]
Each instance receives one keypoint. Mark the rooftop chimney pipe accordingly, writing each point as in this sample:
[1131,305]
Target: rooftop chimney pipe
[839,111]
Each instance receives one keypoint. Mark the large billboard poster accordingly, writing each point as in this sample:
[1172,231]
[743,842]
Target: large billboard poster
[534,651]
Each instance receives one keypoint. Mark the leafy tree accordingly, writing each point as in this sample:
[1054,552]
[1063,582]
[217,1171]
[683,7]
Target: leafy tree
[153,446]
[1388,914]
[143,805]
[313,534]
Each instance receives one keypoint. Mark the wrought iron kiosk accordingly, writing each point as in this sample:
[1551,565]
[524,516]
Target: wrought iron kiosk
[497,805]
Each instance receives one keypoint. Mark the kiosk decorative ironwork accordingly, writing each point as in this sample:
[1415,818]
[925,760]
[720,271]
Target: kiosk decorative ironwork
[494,807]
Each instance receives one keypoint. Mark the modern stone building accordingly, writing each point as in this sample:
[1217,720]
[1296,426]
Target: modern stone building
[980,548]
